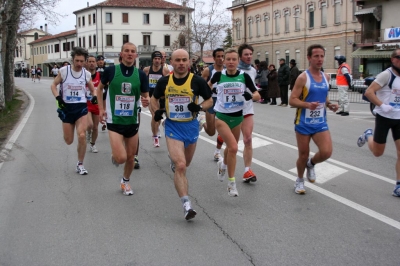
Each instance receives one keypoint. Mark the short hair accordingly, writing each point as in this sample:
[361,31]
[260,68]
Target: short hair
[122,47]
[216,51]
[244,46]
[272,65]
[79,51]
[394,53]
[312,47]
[231,51]
[91,56]
[256,61]
[263,65]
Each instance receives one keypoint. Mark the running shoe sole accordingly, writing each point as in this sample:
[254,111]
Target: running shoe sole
[190,214]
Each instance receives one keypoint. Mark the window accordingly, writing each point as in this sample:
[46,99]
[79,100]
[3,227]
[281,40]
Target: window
[72,45]
[146,39]
[51,48]
[66,46]
[48,49]
[94,18]
[287,57]
[79,22]
[83,21]
[36,36]
[167,40]
[94,41]
[237,24]
[267,58]
[287,14]
[16,52]
[258,20]
[108,17]
[90,41]
[297,19]
[337,11]
[249,22]
[277,58]
[297,58]
[109,40]
[337,52]
[125,18]
[45,50]
[182,20]
[355,8]
[90,19]
[84,42]
[125,38]
[324,13]
[277,16]
[166,19]
[56,48]
[146,19]
[266,24]
[80,42]
[310,9]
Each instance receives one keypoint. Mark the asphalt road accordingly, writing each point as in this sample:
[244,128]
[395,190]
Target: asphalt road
[50,215]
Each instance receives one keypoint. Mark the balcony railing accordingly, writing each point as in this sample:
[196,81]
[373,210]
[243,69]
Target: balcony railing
[144,49]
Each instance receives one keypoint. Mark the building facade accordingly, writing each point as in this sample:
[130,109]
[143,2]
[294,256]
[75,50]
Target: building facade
[379,35]
[150,25]
[285,28]
[22,50]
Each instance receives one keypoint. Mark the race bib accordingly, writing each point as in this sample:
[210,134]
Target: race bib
[73,93]
[178,109]
[153,79]
[232,97]
[315,116]
[124,105]
[394,99]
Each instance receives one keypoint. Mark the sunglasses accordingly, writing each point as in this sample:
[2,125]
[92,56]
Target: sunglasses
[397,56]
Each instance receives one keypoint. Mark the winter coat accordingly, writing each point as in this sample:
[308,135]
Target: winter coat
[294,73]
[273,87]
[283,75]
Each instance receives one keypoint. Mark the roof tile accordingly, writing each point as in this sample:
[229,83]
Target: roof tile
[157,4]
[50,37]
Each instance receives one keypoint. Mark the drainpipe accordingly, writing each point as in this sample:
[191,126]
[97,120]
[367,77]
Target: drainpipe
[244,23]
[101,23]
[97,34]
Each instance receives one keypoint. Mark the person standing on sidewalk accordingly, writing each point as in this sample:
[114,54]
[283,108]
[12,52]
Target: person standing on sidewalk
[283,81]
[384,92]
[294,73]
[343,82]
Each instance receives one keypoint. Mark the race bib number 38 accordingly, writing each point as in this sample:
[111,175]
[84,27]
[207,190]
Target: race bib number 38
[315,116]
[124,105]
[178,107]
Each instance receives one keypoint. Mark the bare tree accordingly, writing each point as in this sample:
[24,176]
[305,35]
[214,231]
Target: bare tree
[206,21]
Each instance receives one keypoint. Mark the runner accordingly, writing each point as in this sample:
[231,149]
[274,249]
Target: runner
[310,97]
[154,73]
[38,73]
[93,109]
[384,92]
[181,91]
[231,97]
[33,73]
[101,65]
[54,71]
[209,122]
[72,104]
[128,86]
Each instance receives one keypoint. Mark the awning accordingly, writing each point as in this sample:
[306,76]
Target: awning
[376,11]
[371,53]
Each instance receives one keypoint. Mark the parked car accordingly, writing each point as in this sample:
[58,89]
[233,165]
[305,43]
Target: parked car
[359,85]
[332,82]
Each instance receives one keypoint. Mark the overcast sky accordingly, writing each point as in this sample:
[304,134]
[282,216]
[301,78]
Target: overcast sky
[66,7]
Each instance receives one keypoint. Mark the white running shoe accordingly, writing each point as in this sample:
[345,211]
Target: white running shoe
[126,189]
[311,173]
[232,190]
[189,212]
[80,169]
[156,142]
[217,156]
[221,172]
[299,187]
[94,149]
[363,138]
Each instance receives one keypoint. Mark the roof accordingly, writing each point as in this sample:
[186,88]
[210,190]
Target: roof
[30,30]
[51,37]
[155,4]
[371,53]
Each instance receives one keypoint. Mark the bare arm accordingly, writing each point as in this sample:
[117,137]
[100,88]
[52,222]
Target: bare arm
[370,93]
[53,86]
[146,70]
[145,99]
[296,92]
[165,71]
[155,104]
[206,74]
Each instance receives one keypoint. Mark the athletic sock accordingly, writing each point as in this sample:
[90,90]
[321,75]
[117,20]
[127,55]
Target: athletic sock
[231,179]
[217,151]
[300,179]
[123,180]
[92,143]
[310,163]
[246,169]
[184,199]
[80,163]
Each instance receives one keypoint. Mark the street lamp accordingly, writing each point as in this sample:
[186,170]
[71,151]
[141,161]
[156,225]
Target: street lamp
[305,39]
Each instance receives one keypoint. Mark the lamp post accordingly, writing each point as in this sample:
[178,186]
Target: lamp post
[305,39]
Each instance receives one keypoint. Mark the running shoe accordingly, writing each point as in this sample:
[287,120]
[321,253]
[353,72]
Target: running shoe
[217,156]
[311,173]
[299,187]
[363,138]
[171,165]
[396,191]
[156,142]
[137,165]
[189,212]
[221,172]
[80,169]
[94,149]
[249,176]
[202,121]
[126,189]
[232,190]
[114,162]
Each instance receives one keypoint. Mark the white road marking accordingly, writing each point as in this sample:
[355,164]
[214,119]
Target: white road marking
[257,143]
[325,172]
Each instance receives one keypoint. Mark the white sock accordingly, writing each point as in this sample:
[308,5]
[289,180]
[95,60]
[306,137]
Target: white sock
[246,169]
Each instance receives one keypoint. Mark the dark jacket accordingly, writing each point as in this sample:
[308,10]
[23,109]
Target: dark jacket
[283,75]
[294,73]
[273,87]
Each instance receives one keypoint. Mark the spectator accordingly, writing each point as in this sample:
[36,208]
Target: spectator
[343,82]
[294,73]
[24,72]
[283,81]
[263,81]
[273,87]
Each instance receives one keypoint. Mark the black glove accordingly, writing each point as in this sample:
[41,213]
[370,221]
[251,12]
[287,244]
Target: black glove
[247,96]
[193,107]
[158,115]
[94,100]
[61,103]
[214,90]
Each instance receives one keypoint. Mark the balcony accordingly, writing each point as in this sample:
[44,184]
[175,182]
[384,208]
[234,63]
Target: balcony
[369,37]
[146,49]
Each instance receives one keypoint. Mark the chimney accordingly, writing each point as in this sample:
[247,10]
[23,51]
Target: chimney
[45,28]
[41,27]
[183,4]
[87,4]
